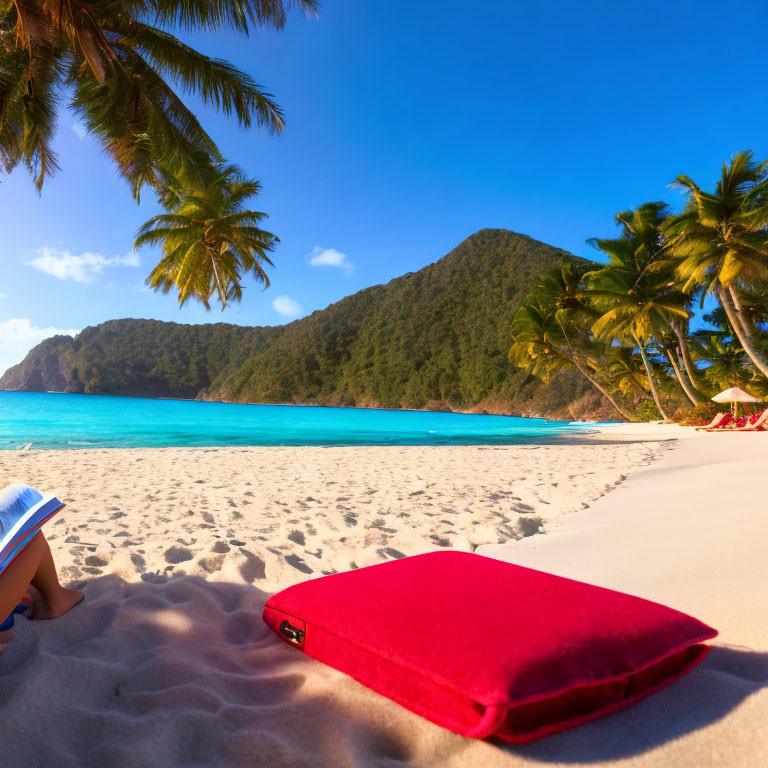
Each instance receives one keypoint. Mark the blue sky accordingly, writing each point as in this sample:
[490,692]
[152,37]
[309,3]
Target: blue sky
[410,126]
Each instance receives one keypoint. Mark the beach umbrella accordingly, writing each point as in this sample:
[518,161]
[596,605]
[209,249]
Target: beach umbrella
[734,395]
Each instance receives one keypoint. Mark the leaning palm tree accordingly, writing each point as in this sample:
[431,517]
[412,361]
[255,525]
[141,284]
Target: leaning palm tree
[721,241]
[635,292]
[210,241]
[669,345]
[681,331]
[118,66]
[550,333]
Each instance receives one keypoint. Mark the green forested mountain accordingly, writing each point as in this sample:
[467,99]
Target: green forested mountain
[147,358]
[436,338]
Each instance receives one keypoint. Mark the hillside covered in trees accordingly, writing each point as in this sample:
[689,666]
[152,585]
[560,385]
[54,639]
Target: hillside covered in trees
[437,338]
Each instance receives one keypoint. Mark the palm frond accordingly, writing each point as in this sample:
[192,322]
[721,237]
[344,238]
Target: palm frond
[216,81]
[208,243]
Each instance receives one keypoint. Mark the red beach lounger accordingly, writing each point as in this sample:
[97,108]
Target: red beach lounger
[724,422]
[756,422]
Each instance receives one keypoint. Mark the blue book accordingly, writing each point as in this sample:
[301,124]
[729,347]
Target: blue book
[23,511]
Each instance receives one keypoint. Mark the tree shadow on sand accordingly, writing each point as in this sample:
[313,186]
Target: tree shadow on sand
[725,678]
[186,672]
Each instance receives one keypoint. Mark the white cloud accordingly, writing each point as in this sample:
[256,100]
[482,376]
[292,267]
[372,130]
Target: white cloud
[83,268]
[330,257]
[287,307]
[18,336]
[129,260]
[79,130]
[19,330]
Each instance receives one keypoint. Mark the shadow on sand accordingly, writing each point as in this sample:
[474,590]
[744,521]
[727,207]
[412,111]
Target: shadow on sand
[186,673]
[719,684]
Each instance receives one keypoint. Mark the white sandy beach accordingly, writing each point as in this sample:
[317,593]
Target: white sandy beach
[168,662]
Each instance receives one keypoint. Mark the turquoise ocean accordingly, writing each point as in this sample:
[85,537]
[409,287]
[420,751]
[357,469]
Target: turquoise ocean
[50,420]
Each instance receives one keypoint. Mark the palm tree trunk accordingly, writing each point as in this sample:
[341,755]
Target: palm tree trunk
[746,323]
[648,370]
[596,384]
[680,378]
[685,352]
[743,333]
[219,287]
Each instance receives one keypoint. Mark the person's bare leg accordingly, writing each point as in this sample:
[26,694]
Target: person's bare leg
[31,578]
[56,599]
[15,581]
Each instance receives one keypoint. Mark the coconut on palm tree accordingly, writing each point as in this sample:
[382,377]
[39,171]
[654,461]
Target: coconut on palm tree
[721,242]
[120,69]
[210,241]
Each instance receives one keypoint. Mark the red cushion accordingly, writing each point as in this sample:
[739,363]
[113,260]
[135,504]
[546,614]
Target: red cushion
[742,422]
[754,417]
[727,419]
[483,647]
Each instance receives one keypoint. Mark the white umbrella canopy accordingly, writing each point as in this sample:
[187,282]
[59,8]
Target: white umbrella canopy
[735,395]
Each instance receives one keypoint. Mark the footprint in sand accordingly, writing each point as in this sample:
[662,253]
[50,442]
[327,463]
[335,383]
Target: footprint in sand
[94,564]
[253,568]
[297,537]
[381,526]
[211,564]
[69,573]
[396,554]
[155,578]
[296,562]
[176,555]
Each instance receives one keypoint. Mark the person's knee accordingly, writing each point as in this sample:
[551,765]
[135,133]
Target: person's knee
[36,546]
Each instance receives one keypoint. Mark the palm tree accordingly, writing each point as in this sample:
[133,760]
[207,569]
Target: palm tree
[116,63]
[549,334]
[681,330]
[721,241]
[669,344]
[635,291]
[209,241]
